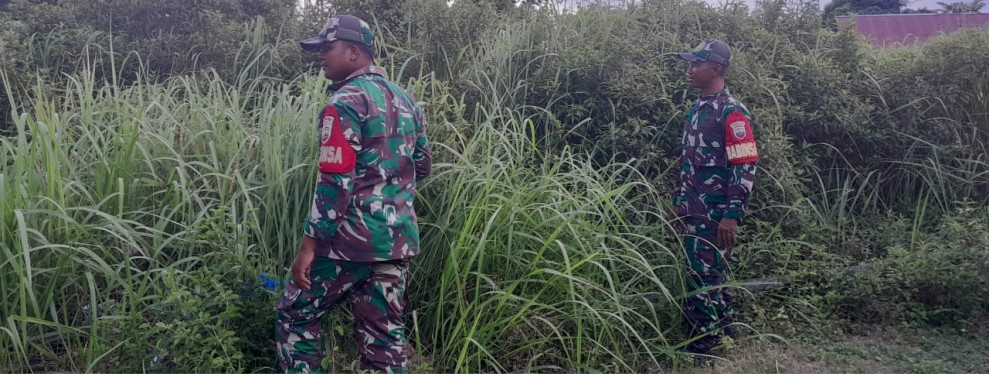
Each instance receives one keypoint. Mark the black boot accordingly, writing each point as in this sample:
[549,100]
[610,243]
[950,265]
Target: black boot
[700,349]
[701,346]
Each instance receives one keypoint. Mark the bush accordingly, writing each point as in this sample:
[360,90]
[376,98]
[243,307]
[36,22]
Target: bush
[193,327]
[936,278]
[149,40]
[134,197]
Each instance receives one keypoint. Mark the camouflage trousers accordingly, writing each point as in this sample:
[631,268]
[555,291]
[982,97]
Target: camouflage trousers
[376,294]
[709,308]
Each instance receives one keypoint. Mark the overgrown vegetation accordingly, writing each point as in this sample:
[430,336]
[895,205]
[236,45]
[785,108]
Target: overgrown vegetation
[153,177]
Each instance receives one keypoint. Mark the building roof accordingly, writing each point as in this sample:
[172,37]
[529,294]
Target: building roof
[908,29]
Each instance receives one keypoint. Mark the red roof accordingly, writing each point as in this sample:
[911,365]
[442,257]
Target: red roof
[887,29]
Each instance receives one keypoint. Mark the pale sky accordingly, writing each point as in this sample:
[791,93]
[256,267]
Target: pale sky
[913,4]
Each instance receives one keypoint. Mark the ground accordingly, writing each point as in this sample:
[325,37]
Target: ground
[896,349]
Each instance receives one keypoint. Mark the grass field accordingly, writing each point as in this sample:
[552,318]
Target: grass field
[146,221]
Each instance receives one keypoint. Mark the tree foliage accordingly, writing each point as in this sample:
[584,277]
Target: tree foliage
[167,127]
[962,7]
[153,38]
[846,7]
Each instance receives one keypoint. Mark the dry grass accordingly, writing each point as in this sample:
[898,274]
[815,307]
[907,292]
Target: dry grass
[866,350]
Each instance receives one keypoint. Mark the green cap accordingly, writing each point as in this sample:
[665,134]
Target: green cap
[347,28]
[715,51]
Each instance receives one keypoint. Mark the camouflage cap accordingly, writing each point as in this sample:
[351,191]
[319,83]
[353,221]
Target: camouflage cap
[345,27]
[715,51]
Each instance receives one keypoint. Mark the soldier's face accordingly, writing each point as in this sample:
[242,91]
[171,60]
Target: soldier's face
[702,73]
[337,59]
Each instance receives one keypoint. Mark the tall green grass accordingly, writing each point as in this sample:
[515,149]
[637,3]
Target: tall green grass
[104,188]
[136,214]
[119,202]
[539,260]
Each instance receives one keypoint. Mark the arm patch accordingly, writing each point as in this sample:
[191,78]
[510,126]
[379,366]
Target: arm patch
[335,153]
[739,141]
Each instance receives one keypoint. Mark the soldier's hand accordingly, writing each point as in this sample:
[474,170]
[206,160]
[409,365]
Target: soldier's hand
[303,262]
[726,233]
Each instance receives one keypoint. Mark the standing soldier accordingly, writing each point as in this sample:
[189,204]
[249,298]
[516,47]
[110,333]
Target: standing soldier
[716,174]
[362,229]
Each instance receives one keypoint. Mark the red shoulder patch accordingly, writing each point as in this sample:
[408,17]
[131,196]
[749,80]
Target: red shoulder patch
[739,140]
[335,153]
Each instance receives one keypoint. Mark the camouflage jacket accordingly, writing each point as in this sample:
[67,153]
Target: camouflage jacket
[373,150]
[717,166]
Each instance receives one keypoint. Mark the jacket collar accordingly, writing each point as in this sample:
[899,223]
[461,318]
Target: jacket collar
[370,70]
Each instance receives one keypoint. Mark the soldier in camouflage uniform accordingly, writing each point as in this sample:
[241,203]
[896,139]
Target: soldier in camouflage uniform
[717,170]
[362,227]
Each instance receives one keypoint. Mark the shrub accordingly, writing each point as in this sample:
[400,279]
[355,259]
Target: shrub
[937,277]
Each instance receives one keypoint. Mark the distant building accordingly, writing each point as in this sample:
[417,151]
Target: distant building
[886,29]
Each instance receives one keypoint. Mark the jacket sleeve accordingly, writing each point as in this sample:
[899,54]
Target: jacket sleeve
[331,199]
[739,188]
[742,155]
[679,195]
[421,156]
